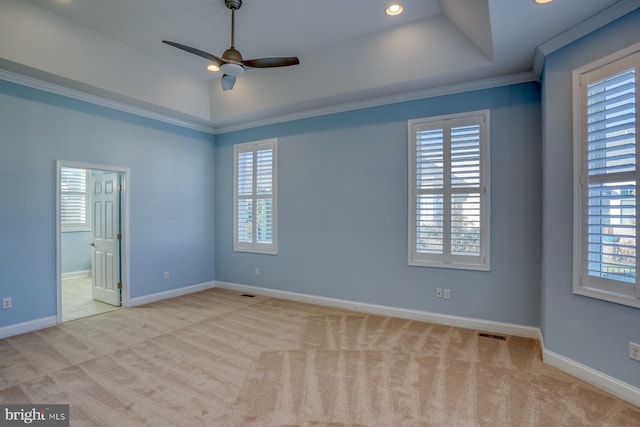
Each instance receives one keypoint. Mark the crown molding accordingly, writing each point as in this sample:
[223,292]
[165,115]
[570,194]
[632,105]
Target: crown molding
[584,28]
[303,114]
[383,100]
[101,101]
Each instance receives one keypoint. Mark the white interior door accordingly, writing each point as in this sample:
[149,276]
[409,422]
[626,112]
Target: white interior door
[105,229]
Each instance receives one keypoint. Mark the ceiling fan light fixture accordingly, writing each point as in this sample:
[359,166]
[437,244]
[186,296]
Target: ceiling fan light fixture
[542,1]
[231,62]
[231,69]
[394,9]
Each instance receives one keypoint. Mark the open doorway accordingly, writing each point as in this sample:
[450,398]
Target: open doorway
[91,239]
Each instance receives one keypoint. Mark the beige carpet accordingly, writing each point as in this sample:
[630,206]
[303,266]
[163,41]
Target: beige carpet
[217,358]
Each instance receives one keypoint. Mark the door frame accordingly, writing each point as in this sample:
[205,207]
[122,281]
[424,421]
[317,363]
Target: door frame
[124,227]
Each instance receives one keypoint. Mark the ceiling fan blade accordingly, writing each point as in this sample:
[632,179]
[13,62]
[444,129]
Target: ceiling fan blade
[195,51]
[271,62]
[228,82]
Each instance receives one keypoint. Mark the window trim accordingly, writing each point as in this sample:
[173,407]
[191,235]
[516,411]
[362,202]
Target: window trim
[599,288]
[77,227]
[256,247]
[483,261]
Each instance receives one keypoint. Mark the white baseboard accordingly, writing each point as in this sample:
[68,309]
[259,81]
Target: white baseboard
[612,385]
[30,326]
[424,316]
[172,293]
[73,274]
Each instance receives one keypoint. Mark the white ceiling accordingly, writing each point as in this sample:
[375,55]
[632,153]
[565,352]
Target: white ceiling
[349,51]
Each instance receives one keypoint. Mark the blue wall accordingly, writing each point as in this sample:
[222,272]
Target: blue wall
[171,190]
[76,254]
[342,210]
[589,331]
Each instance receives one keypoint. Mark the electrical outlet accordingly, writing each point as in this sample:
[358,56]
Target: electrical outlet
[439,292]
[256,271]
[7,303]
[166,275]
[634,351]
[447,294]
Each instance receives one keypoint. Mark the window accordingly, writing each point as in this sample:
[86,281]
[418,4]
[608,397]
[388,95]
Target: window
[449,191]
[254,184]
[606,179]
[74,199]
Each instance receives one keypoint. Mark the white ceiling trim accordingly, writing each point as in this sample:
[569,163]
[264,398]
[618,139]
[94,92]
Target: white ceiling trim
[339,108]
[385,100]
[586,27]
[101,101]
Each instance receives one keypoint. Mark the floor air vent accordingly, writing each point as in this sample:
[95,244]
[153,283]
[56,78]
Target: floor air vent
[492,336]
[247,295]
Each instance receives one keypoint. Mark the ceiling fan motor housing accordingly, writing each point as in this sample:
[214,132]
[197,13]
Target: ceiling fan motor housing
[233,4]
[232,55]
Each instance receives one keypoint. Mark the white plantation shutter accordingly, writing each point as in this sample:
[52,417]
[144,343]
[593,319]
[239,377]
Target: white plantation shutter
[74,214]
[244,198]
[607,179]
[264,199]
[254,197]
[430,221]
[465,188]
[448,209]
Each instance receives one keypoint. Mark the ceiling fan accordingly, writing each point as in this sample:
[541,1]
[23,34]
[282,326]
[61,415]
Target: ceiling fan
[231,63]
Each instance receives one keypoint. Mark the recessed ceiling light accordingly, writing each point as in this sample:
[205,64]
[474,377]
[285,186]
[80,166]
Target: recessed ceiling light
[213,67]
[543,1]
[394,9]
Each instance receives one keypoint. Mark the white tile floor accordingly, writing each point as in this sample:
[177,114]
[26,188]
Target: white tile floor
[77,301]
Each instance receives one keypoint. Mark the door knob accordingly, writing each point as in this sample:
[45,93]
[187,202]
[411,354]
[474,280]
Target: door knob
[92,244]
